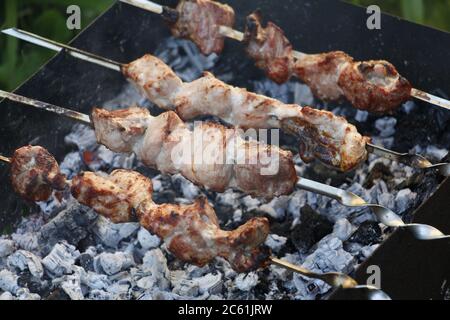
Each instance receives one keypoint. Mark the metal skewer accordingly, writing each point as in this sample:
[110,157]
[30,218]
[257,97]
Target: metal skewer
[415,161]
[333,279]
[346,198]
[239,36]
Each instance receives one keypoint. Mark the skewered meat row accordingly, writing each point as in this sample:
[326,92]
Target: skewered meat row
[191,232]
[374,86]
[210,155]
[323,136]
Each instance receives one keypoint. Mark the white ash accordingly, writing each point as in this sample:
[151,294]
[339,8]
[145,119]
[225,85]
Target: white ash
[82,136]
[23,260]
[147,240]
[8,281]
[276,208]
[246,282]
[111,234]
[275,242]
[386,126]
[112,263]
[184,58]
[61,259]
[190,191]
[6,296]
[237,215]
[431,152]
[7,247]
[250,203]
[361,116]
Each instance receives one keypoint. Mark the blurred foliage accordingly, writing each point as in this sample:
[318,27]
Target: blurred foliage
[19,60]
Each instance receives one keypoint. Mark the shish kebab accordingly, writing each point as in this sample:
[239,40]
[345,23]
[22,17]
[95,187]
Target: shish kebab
[191,232]
[375,86]
[323,136]
[155,139]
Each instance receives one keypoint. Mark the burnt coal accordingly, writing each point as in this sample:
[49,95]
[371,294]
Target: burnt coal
[379,171]
[368,233]
[311,229]
[34,284]
[86,262]
[427,126]
[71,225]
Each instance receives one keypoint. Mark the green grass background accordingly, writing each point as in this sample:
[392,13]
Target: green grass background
[48,18]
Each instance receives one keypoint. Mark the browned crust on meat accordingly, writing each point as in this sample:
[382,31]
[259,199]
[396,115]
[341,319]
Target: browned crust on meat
[268,46]
[373,97]
[199,21]
[35,173]
[183,227]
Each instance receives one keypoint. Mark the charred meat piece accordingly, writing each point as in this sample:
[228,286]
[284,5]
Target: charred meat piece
[209,155]
[375,86]
[191,232]
[35,173]
[114,196]
[321,73]
[199,21]
[270,49]
[333,140]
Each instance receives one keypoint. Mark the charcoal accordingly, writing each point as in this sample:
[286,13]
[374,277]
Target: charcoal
[147,240]
[34,284]
[166,196]
[58,294]
[246,281]
[368,233]
[379,171]
[224,212]
[7,247]
[25,294]
[210,283]
[8,281]
[112,263]
[411,131]
[86,262]
[111,234]
[310,230]
[71,225]
[24,260]
[61,259]
[6,296]
[275,242]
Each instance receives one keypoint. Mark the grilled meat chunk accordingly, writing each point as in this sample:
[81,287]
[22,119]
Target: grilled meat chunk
[35,173]
[209,155]
[191,232]
[270,49]
[199,21]
[335,141]
[375,86]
